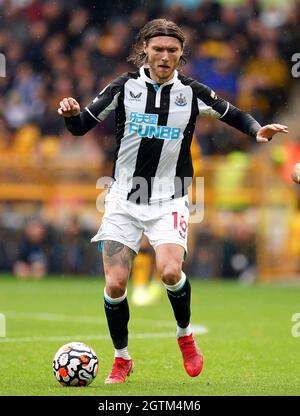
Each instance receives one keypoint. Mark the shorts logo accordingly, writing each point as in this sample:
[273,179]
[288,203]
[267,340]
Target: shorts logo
[181,100]
[135,97]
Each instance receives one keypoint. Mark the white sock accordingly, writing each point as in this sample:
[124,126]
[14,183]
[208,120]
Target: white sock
[178,285]
[123,353]
[114,300]
[184,332]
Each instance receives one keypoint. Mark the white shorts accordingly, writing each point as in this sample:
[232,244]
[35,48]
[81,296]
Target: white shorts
[162,222]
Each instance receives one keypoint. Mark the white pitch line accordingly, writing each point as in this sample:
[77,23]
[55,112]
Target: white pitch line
[43,316]
[197,330]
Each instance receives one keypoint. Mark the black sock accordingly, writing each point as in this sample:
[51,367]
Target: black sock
[181,304]
[117,316]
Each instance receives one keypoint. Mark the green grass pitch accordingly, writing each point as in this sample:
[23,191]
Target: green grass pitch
[248,348]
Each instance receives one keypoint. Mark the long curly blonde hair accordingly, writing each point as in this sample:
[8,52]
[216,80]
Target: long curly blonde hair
[156,27]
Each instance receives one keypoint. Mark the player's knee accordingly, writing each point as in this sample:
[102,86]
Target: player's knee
[115,288]
[115,291]
[171,273]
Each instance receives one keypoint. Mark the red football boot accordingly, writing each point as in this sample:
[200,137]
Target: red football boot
[120,370]
[191,354]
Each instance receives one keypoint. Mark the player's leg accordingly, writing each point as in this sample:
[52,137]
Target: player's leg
[169,264]
[117,261]
[120,235]
[167,233]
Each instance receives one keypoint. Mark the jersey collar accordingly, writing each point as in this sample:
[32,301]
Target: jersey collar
[151,81]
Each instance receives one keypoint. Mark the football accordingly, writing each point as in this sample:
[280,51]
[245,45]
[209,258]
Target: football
[296,173]
[75,364]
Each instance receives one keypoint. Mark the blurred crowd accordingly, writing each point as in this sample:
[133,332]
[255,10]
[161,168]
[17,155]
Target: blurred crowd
[55,49]
[75,48]
[38,249]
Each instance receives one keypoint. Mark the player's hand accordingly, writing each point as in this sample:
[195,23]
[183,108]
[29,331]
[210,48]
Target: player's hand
[266,133]
[69,107]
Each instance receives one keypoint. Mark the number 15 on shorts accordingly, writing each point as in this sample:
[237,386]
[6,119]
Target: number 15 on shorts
[179,223]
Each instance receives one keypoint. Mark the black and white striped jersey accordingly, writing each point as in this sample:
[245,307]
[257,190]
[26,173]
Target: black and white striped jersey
[154,129]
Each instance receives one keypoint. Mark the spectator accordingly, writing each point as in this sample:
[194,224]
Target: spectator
[32,258]
[73,246]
